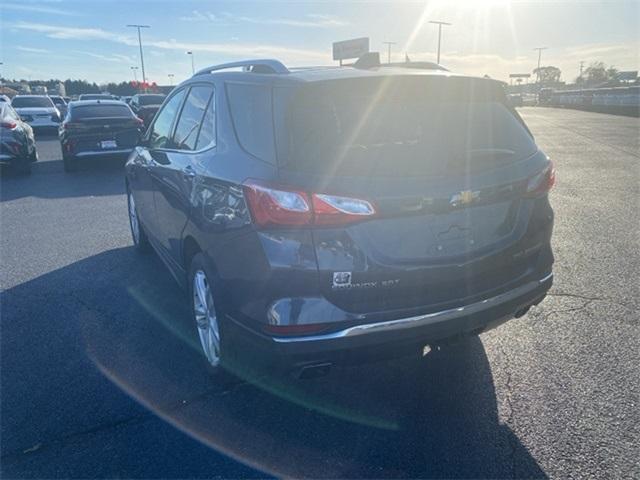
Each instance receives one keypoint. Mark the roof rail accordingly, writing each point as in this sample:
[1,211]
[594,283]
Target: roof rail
[264,66]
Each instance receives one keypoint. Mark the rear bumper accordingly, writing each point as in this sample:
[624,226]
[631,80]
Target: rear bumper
[11,153]
[399,336]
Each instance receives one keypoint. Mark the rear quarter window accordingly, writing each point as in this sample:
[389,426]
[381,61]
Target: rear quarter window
[250,107]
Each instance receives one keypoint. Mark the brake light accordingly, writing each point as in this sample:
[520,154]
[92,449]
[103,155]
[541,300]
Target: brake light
[270,206]
[542,182]
[9,125]
[285,206]
[332,210]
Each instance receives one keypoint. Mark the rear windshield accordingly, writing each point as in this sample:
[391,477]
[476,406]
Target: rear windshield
[95,111]
[31,102]
[151,99]
[403,127]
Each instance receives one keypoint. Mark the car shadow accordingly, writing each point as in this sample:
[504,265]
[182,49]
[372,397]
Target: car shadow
[118,319]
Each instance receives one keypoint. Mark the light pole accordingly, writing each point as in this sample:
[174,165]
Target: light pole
[135,75]
[388,44]
[144,77]
[539,49]
[193,68]
[170,75]
[440,24]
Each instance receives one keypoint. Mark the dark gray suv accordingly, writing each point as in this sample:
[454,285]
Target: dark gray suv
[319,216]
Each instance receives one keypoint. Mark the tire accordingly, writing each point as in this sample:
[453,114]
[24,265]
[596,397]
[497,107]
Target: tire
[207,318]
[139,236]
[70,164]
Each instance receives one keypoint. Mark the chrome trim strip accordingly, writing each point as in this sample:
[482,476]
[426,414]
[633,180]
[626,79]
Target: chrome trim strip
[97,153]
[421,320]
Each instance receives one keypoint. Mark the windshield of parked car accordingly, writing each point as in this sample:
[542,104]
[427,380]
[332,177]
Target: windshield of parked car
[404,127]
[32,102]
[95,111]
[150,99]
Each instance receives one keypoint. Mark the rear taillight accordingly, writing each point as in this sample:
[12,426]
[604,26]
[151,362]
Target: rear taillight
[275,206]
[542,182]
[332,210]
[8,125]
[272,206]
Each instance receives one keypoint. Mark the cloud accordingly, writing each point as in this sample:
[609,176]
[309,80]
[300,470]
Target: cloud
[287,54]
[115,57]
[244,50]
[75,33]
[622,55]
[38,9]
[32,50]
[198,16]
[599,49]
[312,20]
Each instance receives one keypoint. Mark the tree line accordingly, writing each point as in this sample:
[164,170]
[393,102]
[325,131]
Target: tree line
[596,74]
[78,87]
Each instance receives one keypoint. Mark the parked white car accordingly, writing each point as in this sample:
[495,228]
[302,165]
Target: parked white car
[38,111]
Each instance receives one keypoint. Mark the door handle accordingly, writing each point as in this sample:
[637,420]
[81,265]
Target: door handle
[188,172]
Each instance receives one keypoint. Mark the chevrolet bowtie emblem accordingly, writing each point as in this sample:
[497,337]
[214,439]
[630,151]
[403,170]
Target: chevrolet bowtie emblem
[464,198]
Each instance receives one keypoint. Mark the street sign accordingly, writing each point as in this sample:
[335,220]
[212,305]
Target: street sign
[519,75]
[353,48]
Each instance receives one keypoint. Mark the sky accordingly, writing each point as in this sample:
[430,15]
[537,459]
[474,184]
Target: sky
[41,39]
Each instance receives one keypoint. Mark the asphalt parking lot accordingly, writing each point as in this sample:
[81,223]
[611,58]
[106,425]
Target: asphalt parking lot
[100,377]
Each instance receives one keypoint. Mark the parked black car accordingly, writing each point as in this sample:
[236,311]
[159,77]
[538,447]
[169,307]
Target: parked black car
[145,105]
[17,142]
[318,216]
[98,128]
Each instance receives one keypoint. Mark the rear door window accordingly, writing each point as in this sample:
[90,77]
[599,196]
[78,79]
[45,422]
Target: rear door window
[161,130]
[190,121]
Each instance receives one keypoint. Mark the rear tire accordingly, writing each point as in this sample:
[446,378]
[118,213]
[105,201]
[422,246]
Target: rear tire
[206,318]
[140,239]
